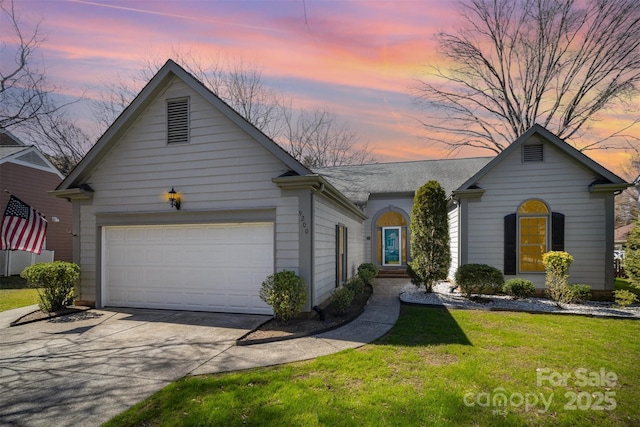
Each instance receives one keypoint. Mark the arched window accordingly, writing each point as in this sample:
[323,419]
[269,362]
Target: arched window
[533,229]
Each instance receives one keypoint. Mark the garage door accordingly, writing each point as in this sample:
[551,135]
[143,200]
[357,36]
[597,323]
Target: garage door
[212,267]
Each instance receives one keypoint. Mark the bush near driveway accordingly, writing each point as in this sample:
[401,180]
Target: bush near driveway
[55,282]
[285,292]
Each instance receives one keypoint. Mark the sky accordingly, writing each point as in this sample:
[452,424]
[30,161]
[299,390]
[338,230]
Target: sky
[357,59]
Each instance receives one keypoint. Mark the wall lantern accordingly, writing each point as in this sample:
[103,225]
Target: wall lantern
[174,199]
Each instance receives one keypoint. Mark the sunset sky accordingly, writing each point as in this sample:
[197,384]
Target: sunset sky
[358,59]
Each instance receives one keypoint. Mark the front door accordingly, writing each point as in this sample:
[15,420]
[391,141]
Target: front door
[391,246]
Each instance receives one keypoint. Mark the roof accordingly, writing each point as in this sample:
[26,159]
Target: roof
[10,150]
[358,182]
[29,156]
[7,138]
[622,233]
[155,86]
[610,181]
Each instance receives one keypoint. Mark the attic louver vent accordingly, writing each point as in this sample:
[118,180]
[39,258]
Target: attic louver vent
[32,158]
[532,153]
[178,121]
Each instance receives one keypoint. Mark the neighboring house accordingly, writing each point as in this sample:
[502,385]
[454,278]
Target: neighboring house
[248,208]
[27,174]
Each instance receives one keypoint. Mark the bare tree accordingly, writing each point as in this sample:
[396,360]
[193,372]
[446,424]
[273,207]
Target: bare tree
[24,91]
[627,201]
[61,140]
[515,63]
[26,101]
[317,139]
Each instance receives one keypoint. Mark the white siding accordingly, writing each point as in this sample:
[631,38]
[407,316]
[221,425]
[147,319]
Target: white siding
[563,184]
[454,229]
[326,217]
[220,169]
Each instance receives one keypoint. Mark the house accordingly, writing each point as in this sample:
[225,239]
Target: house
[183,204]
[26,173]
[539,194]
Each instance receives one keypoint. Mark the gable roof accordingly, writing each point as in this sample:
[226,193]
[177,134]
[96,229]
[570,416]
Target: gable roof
[155,86]
[358,182]
[610,181]
[29,156]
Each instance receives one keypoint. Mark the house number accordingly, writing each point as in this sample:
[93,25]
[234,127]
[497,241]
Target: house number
[304,222]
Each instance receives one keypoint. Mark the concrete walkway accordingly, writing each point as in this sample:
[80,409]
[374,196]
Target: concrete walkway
[378,318]
[85,369]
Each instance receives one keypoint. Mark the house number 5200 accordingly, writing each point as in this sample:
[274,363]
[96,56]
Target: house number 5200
[303,221]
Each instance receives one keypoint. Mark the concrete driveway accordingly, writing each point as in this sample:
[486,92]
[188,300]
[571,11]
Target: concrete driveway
[85,368]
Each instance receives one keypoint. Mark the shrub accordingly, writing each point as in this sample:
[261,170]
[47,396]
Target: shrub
[430,236]
[285,292]
[579,293]
[479,279]
[631,261]
[341,300]
[519,288]
[55,282]
[356,285]
[556,282]
[367,272]
[624,297]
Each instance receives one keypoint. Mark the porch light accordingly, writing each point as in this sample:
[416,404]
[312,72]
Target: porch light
[174,199]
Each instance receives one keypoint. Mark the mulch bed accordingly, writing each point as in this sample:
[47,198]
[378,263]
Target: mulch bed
[275,330]
[39,315]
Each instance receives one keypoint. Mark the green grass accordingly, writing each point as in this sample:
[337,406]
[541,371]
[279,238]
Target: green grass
[420,374]
[16,298]
[627,285]
[14,293]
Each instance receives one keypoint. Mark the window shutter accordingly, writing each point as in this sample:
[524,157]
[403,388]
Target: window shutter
[510,244]
[557,231]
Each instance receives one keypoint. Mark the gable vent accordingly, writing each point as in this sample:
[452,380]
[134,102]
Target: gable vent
[32,158]
[178,121]
[532,153]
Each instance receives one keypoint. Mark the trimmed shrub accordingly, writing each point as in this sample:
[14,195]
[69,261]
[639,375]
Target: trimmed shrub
[55,282]
[356,285]
[556,282]
[519,288]
[367,272]
[429,236]
[579,293]
[479,279]
[341,300]
[285,292]
[624,298]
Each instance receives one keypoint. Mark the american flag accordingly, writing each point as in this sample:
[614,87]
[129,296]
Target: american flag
[23,228]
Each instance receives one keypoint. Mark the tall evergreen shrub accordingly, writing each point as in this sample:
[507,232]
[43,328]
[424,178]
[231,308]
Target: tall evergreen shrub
[429,236]
[631,261]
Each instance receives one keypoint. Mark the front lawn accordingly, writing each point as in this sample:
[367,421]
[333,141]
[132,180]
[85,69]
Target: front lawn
[15,294]
[436,367]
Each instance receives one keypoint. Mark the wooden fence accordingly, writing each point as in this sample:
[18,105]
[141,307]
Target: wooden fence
[618,268]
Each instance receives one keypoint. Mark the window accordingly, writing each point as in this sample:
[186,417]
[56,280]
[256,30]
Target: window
[533,217]
[178,121]
[341,254]
[528,234]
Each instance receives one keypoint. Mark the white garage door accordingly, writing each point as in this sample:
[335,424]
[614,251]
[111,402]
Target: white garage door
[212,267]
